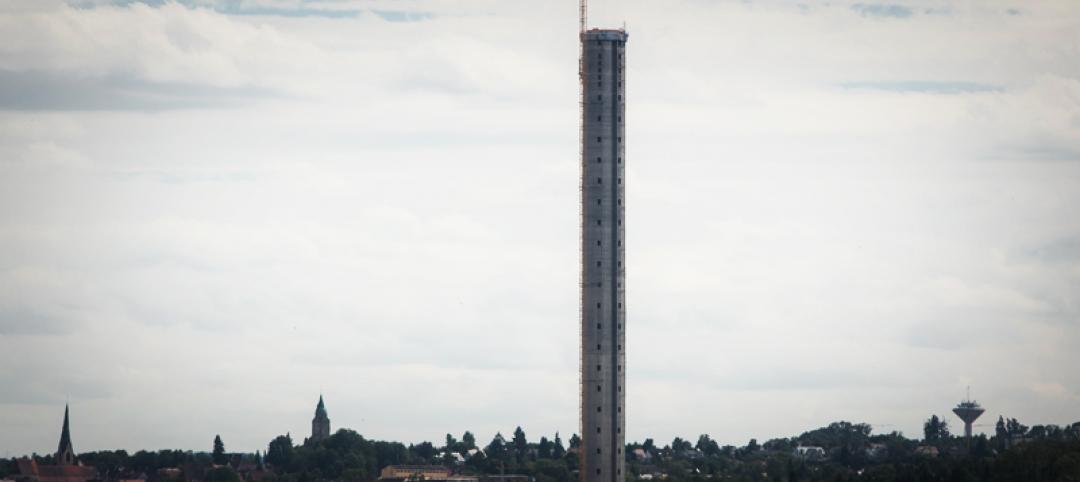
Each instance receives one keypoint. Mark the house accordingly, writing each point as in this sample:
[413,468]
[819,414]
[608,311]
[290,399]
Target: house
[31,471]
[456,457]
[877,451]
[404,472]
[808,452]
[927,450]
[642,455]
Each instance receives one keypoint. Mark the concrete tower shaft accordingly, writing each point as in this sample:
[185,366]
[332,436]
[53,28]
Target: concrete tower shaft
[603,276]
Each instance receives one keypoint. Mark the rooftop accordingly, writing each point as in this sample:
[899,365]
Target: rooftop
[605,34]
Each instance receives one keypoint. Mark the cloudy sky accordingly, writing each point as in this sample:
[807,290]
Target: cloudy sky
[212,211]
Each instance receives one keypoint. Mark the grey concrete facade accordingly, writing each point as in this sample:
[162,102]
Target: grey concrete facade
[603,275]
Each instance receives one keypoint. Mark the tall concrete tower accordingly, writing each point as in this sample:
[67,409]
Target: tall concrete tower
[603,276]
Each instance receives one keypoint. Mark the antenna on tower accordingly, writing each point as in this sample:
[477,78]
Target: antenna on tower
[583,15]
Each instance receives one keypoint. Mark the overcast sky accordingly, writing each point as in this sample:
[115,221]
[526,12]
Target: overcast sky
[212,211]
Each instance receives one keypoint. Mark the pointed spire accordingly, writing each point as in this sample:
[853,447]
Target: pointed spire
[320,425]
[65,454]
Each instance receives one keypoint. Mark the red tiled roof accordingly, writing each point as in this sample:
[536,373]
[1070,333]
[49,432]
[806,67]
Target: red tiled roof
[55,473]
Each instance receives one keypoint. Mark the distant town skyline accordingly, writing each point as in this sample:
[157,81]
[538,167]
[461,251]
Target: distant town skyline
[213,211]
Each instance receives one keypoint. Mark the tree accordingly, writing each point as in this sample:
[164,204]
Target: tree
[424,450]
[219,451]
[575,441]
[543,450]
[469,440]
[451,444]
[752,446]
[280,453]
[707,445]
[496,450]
[477,461]
[521,444]
[1001,434]
[557,450]
[221,474]
[1015,429]
[935,429]
[678,445]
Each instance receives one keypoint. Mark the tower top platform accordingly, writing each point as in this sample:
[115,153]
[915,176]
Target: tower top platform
[605,34]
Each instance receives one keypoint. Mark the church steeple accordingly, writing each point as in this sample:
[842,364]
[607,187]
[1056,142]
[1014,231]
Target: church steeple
[65,454]
[320,425]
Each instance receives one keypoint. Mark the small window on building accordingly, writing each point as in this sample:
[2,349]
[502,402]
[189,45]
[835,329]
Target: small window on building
[620,180]
[598,410]
[598,450]
[599,180]
[598,242]
[598,139]
[597,367]
[598,160]
[599,326]
[599,119]
[598,222]
[598,388]
[598,265]
[598,347]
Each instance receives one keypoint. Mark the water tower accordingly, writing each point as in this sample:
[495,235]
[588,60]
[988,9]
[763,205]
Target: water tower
[968,410]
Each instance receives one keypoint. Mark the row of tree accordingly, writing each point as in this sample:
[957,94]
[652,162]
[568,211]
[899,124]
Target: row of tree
[849,451]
